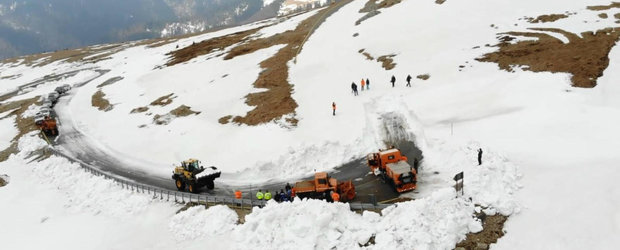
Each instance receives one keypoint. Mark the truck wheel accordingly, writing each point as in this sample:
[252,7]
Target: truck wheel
[180,184]
[210,184]
[191,187]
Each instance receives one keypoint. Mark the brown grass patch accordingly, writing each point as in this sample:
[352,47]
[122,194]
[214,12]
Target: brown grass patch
[424,77]
[110,81]
[492,229]
[163,101]
[182,111]
[366,54]
[100,102]
[208,46]
[605,7]
[440,1]
[584,57]
[547,18]
[139,110]
[225,119]
[24,125]
[603,15]
[276,101]
[387,61]
[91,54]
[2,181]
[617,15]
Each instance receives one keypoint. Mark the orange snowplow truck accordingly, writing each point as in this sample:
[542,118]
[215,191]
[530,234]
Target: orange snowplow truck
[48,126]
[322,185]
[393,167]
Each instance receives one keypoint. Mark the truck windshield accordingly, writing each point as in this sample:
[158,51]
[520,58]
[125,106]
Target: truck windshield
[323,181]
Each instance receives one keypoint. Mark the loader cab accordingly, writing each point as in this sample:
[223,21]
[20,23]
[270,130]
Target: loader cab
[191,165]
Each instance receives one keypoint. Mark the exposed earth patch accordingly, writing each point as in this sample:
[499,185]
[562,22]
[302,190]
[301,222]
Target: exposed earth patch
[584,57]
[98,100]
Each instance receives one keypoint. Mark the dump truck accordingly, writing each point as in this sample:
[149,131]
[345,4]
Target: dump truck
[392,166]
[47,125]
[192,175]
[322,185]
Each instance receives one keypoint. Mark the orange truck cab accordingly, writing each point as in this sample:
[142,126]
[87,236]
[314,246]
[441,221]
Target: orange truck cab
[393,167]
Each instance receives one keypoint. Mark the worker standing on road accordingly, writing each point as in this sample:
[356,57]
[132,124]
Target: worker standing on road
[354,88]
[363,83]
[287,187]
[393,80]
[334,108]
[479,156]
[259,195]
[238,196]
[367,83]
[289,194]
[267,195]
[408,80]
[335,197]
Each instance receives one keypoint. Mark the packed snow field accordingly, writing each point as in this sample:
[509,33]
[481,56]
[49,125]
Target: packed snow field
[550,150]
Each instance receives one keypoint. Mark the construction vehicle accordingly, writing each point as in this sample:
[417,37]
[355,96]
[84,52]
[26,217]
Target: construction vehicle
[47,125]
[322,185]
[194,176]
[392,166]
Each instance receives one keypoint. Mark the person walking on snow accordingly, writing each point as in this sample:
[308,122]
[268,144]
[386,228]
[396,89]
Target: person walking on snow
[354,88]
[479,156]
[334,108]
[408,80]
[363,83]
[393,80]
[367,83]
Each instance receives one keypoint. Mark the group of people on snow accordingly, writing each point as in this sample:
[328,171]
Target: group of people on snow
[366,84]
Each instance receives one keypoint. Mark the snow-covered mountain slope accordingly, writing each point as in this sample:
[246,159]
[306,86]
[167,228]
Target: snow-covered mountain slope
[256,101]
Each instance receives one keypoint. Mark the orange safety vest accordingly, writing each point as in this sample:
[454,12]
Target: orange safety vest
[335,196]
[363,83]
[238,194]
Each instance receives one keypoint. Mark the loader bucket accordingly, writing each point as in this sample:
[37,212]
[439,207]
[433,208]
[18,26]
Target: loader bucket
[346,190]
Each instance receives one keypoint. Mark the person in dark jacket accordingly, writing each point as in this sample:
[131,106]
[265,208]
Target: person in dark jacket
[288,187]
[367,83]
[354,87]
[479,156]
[408,80]
[393,80]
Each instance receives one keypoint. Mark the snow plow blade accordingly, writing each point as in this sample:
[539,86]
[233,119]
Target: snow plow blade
[346,190]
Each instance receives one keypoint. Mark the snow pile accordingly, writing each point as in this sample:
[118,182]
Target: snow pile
[196,222]
[8,131]
[435,222]
[84,190]
[493,184]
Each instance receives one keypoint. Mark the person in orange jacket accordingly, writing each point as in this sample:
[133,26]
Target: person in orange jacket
[363,84]
[335,197]
[238,197]
[334,108]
